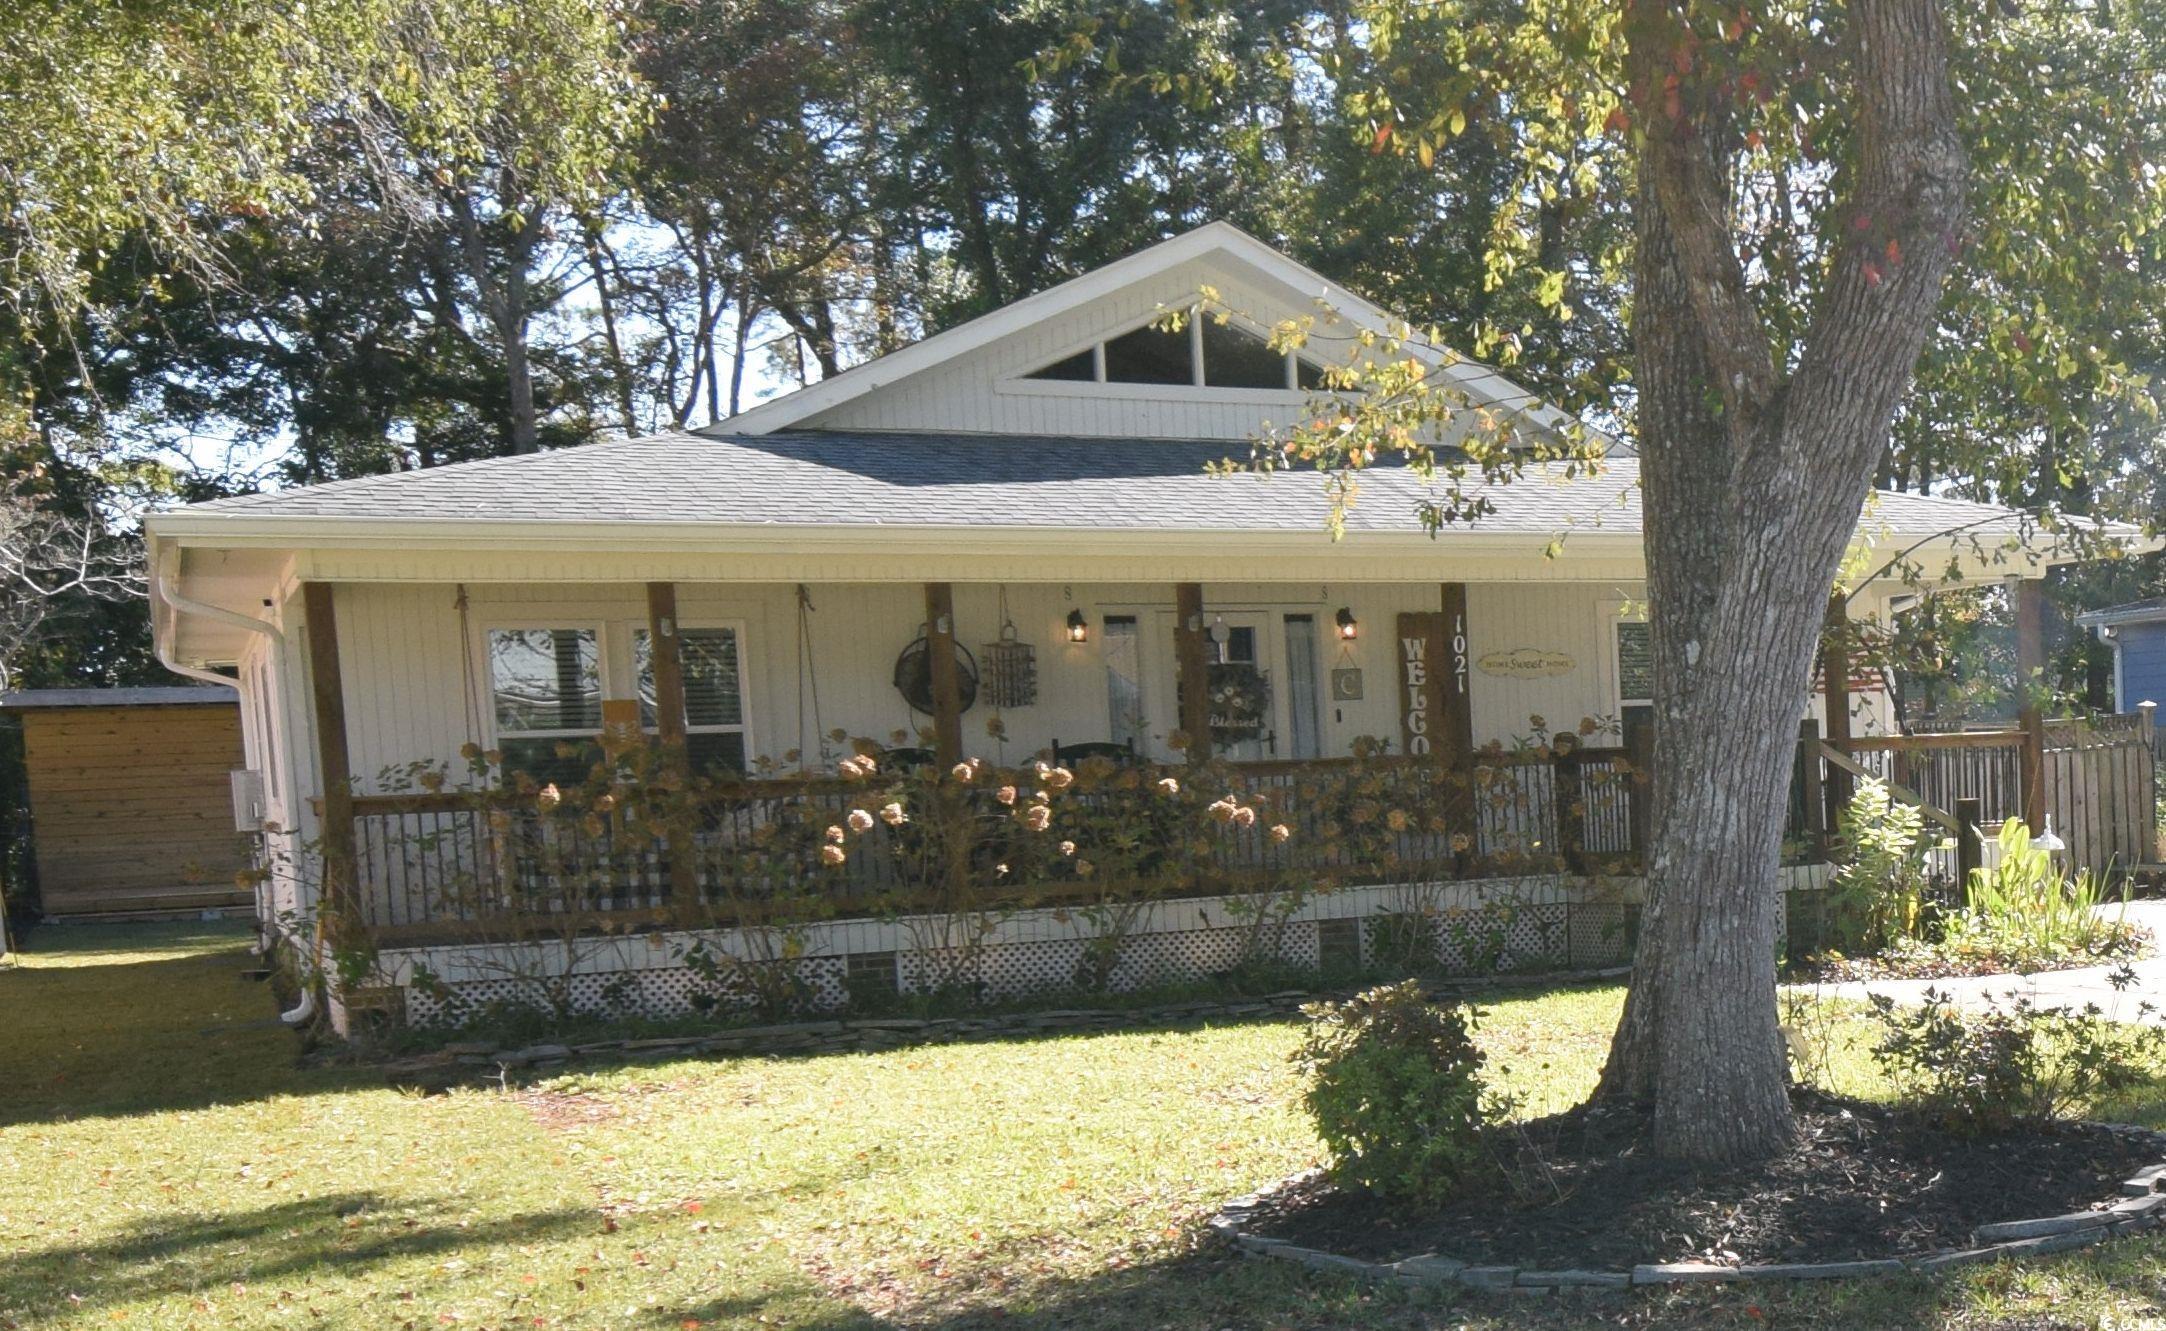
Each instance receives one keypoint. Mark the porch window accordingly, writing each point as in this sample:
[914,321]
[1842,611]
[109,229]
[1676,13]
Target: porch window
[714,696]
[545,686]
[1302,707]
[1124,682]
[1635,675]
[1635,664]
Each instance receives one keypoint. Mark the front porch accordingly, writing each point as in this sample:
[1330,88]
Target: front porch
[1528,697]
[516,776]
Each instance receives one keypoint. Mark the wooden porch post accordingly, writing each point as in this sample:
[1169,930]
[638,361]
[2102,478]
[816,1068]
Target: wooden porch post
[1835,687]
[667,658]
[1455,729]
[947,684]
[2030,677]
[1812,795]
[327,689]
[668,662]
[1969,850]
[1195,668]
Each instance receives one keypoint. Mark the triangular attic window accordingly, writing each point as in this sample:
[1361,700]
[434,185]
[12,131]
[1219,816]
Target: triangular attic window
[1232,357]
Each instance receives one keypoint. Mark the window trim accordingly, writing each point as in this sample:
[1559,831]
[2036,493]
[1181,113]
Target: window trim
[696,624]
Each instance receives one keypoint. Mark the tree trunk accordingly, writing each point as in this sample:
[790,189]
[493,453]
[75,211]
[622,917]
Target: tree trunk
[504,303]
[620,372]
[1752,481]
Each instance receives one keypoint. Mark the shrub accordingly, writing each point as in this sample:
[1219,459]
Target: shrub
[1879,894]
[1396,1090]
[2000,1065]
[2025,913]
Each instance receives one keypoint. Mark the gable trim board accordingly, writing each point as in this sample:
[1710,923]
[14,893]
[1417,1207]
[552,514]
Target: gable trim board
[1220,242]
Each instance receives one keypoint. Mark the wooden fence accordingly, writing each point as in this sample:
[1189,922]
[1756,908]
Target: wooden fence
[2100,777]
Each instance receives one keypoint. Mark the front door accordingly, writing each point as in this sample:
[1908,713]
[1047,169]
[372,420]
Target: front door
[1262,684]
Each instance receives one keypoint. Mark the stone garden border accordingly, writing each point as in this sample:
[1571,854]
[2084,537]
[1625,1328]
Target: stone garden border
[2141,1206]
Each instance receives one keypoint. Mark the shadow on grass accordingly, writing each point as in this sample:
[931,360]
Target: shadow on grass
[124,1019]
[1212,1290]
[345,1233]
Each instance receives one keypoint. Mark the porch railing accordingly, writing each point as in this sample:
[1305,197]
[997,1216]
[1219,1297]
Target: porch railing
[451,864]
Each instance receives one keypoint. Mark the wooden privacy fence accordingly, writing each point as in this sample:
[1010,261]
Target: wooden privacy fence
[2099,776]
[2102,790]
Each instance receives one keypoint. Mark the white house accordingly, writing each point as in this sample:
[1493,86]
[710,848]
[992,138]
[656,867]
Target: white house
[1033,477]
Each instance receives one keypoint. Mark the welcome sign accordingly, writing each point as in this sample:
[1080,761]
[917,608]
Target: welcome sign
[1435,712]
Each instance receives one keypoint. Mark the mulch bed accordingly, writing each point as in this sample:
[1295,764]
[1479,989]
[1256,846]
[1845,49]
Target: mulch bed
[1863,1182]
[1928,964]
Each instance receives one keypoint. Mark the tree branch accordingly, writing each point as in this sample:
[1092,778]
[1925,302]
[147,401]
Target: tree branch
[1694,191]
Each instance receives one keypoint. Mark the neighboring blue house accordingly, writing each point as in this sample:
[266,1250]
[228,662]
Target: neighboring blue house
[2137,633]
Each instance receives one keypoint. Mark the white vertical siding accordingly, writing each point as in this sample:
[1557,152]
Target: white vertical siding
[404,669]
[406,659]
[977,392]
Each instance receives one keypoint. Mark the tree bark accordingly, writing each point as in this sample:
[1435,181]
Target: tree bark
[1752,483]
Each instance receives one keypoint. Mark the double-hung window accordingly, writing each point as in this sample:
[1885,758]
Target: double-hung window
[1635,674]
[545,689]
[716,738]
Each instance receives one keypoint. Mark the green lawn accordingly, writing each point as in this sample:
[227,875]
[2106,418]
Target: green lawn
[163,1163]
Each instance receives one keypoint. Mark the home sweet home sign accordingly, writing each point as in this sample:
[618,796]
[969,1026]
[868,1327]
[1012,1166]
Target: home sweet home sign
[1436,713]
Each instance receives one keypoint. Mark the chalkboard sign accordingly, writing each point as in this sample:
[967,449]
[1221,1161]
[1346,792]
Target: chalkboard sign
[1635,663]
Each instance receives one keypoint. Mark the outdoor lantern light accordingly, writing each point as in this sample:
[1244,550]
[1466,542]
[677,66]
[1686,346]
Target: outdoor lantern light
[1079,629]
[2047,841]
[1348,629]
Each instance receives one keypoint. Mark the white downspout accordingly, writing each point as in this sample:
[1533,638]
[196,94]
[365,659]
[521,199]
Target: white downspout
[161,590]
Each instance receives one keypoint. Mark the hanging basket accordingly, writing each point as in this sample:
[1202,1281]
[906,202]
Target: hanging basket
[1011,670]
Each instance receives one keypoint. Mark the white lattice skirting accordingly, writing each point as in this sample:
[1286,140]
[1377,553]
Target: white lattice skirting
[1495,926]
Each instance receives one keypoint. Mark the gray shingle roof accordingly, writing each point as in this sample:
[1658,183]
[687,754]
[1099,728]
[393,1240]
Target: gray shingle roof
[2128,612]
[872,479]
[153,695]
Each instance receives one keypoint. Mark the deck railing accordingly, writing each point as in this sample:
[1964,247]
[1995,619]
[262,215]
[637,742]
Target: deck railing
[460,862]
[430,864]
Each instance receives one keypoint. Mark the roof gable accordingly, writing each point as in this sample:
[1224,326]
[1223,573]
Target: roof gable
[978,377]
